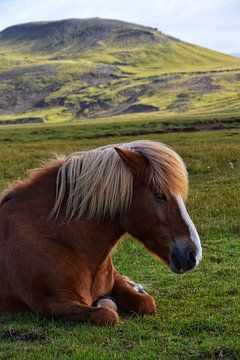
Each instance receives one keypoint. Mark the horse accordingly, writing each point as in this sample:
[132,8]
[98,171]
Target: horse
[60,225]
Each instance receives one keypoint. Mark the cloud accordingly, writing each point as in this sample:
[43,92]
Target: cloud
[213,24]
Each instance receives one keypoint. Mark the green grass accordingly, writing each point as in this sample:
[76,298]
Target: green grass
[198,313]
[124,125]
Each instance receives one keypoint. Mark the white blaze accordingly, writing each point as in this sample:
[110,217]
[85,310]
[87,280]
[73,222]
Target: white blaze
[192,229]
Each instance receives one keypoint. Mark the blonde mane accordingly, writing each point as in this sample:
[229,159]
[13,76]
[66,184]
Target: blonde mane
[98,184]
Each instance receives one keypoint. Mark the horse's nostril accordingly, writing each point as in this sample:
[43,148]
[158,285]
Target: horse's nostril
[182,259]
[192,257]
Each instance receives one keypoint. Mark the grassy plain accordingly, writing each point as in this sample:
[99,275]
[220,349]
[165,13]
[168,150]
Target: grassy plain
[198,313]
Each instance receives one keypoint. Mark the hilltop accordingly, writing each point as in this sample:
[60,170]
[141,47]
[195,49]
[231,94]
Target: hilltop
[81,68]
[78,34]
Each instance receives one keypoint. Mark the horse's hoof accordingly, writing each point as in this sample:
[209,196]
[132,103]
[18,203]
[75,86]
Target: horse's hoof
[107,303]
[104,316]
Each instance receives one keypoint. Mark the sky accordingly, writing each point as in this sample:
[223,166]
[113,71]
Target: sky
[214,24]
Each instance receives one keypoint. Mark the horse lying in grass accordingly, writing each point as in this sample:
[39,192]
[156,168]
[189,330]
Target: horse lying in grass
[58,229]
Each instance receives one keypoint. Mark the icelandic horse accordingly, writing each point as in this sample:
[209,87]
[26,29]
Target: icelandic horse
[59,226]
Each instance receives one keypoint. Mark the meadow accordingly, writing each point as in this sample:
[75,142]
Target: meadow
[198,313]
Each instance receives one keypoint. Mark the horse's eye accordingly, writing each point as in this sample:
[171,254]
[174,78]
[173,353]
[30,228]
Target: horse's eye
[160,197]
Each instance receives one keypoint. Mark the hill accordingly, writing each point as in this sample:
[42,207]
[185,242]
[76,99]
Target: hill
[78,34]
[85,68]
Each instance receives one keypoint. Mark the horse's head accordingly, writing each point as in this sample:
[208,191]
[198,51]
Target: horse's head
[157,215]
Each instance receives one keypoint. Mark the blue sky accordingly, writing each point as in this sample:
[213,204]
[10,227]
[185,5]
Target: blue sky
[211,23]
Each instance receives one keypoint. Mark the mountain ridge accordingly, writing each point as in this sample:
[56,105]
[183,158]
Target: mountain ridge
[77,68]
[83,33]
[79,21]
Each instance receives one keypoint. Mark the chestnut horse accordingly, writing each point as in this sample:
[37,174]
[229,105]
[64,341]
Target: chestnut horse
[59,226]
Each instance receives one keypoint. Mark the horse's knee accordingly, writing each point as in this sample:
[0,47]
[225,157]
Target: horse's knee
[146,305]
[141,304]
[104,316]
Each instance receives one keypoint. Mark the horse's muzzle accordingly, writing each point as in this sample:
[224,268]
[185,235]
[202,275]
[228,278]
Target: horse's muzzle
[182,259]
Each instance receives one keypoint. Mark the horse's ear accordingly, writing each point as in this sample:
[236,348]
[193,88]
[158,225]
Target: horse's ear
[134,160]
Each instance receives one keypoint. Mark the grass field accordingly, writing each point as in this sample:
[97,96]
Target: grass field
[198,313]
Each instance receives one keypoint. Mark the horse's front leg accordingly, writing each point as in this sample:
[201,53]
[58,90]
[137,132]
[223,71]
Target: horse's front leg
[130,300]
[77,313]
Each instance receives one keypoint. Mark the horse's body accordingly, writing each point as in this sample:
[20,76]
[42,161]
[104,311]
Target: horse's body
[59,265]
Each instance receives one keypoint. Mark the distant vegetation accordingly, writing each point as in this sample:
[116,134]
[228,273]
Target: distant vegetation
[94,68]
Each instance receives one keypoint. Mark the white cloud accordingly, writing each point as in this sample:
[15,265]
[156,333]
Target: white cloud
[210,23]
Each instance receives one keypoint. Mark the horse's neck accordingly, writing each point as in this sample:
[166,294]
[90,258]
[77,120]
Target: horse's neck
[91,241]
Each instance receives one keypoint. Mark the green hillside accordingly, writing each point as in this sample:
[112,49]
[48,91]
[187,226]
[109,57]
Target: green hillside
[88,68]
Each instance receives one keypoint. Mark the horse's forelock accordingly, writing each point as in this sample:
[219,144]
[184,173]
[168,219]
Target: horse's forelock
[167,171]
